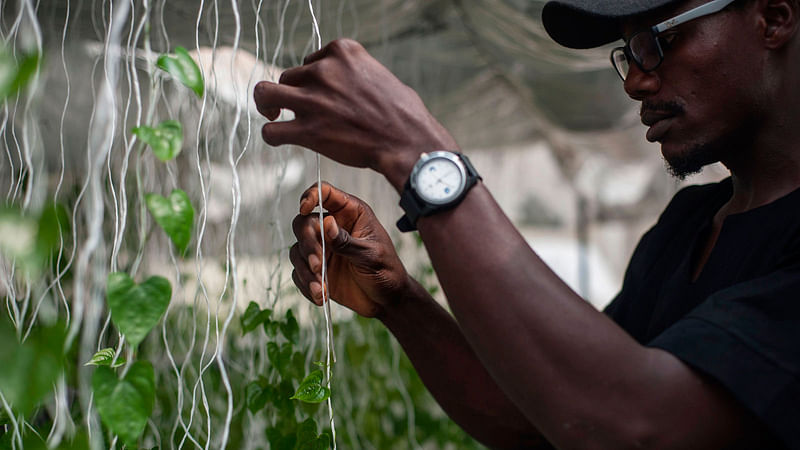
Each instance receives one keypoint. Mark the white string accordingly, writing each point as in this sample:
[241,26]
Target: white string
[231,267]
[329,357]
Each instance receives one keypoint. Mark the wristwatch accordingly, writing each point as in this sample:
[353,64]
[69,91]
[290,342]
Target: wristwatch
[438,181]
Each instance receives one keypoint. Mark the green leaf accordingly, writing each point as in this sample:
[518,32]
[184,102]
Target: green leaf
[136,308]
[105,357]
[297,367]
[308,439]
[166,139]
[253,317]
[174,214]
[183,68]
[282,401]
[311,389]
[29,370]
[271,327]
[256,396]
[280,357]
[125,404]
[321,442]
[33,441]
[306,431]
[52,226]
[16,74]
[290,329]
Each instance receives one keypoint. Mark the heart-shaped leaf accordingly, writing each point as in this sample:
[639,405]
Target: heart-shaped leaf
[290,329]
[125,405]
[280,357]
[136,308]
[166,139]
[271,327]
[311,389]
[174,214]
[16,73]
[253,317]
[29,370]
[256,395]
[105,357]
[184,69]
[307,437]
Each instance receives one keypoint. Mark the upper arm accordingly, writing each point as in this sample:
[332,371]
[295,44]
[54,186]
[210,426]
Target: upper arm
[689,409]
[734,361]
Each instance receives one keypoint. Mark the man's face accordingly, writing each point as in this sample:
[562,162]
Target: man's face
[704,97]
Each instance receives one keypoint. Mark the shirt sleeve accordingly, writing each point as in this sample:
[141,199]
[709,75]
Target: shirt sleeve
[747,337]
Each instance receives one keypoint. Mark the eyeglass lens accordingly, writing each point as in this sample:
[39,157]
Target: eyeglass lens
[643,48]
[620,61]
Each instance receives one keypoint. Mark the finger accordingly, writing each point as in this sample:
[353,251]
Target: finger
[307,282]
[294,76]
[333,199]
[306,230]
[272,113]
[301,265]
[319,54]
[343,243]
[280,133]
[312,291]
[269,96]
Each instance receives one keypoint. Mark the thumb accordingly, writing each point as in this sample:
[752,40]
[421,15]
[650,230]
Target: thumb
[341,241]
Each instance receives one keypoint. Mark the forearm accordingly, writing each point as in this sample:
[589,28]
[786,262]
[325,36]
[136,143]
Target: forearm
[555,356]
[452,373]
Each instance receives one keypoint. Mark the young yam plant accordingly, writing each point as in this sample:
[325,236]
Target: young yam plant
[175,215]
[136,308]
[166,139]
[125,404]
[182,67]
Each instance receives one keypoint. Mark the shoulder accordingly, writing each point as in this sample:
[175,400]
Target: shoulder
[696,199]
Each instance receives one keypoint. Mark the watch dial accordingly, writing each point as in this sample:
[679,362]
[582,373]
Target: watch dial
[439,181]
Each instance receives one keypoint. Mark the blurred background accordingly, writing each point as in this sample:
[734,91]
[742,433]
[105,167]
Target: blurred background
[551,131]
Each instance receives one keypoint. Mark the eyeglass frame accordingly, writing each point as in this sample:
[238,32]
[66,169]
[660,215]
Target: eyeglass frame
[705,9]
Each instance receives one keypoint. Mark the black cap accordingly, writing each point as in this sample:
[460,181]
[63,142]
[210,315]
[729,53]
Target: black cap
[592,23]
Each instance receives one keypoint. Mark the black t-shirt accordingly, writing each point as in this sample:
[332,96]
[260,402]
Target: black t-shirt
[739,322]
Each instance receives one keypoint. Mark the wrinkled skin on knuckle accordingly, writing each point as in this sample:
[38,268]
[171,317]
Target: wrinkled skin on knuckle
[343,241]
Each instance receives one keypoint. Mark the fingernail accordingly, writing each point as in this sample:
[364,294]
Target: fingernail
[313,263]
[332,232]
[316,290]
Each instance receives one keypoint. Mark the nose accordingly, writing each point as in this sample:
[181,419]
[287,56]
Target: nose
[640,84]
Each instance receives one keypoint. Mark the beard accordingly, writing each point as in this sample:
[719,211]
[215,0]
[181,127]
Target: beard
[690,162]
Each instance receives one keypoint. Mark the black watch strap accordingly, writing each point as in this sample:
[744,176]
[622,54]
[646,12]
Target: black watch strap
[415,207]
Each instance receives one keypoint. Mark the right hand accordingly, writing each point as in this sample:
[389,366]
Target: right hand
[363,270]
[352,109]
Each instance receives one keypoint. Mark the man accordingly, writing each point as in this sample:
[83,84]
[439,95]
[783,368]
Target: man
[700,349]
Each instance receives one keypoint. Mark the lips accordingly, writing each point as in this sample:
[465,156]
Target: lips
[658,121]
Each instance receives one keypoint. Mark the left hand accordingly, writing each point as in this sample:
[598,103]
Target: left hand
[364,272]
[351,109]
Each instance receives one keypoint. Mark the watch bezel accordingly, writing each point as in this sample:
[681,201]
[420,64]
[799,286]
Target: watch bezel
[426,158]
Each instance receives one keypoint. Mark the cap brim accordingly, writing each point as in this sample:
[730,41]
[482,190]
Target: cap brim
[592,23]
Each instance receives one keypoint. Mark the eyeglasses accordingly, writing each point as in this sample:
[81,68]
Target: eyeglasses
[646,47]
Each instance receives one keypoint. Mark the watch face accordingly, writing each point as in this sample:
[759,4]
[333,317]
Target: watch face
[440,180]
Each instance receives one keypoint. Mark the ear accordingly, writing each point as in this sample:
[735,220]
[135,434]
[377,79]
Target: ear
[778,21]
